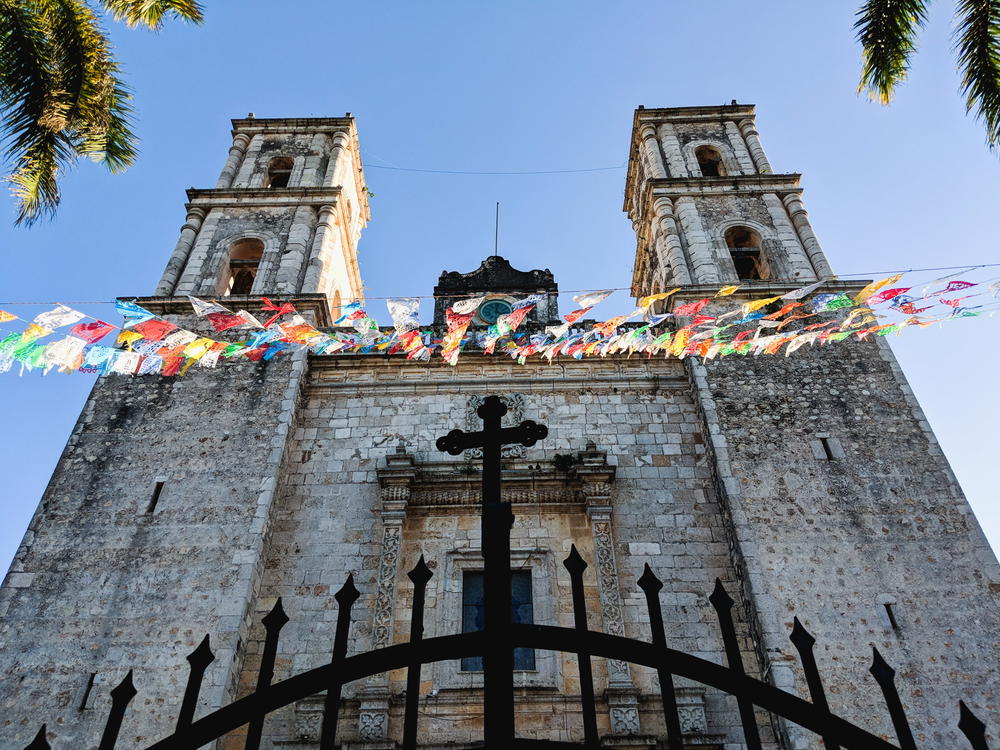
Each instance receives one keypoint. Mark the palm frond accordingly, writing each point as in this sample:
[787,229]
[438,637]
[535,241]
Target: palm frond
[977,42]
[97,101]
[887,31]
[150,13]
[32,109]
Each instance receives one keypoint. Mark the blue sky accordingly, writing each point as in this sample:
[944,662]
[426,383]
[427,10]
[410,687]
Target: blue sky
[525,86]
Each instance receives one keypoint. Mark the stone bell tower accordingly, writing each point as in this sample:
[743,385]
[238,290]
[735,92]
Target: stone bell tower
[706,206]
[284,217]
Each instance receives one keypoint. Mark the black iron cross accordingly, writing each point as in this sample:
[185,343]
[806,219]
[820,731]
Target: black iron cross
[497,519]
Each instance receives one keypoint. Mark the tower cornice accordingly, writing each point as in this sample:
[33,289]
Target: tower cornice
[219,197]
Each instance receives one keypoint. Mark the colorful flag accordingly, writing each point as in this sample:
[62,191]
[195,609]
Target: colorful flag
[577,314]
[508,323]
[91,333]
[403,311]
[887,294]
[467,306]
[154,330]
[873,287]
[804,291]
[132,313]
[284,309]
[6,316]
[691,308]
[531,299]
[223,321]
[59,316]
[647,301]
[589,299]
[34,331]
[727,290]
[749,307]
[203,308]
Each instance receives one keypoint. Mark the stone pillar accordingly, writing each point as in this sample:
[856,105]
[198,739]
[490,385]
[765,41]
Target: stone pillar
[800,219]
[739,148]
[668,242]
[621,694]
[752,139]
[704,267]
[652,151]
[672,150]
[236,153]
[395,483]
[178,259]
[318,260]
[245,173]
[198,266]
[311,175]
[338,155]
[796,261]
[294,254]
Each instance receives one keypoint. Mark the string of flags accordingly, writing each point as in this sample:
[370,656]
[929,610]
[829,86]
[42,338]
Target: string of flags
[710,327]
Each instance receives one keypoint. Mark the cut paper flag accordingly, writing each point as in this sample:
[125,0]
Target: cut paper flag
[508,323]
[203,308]
[727,290]
[154,330]
[457,320]
[590,299]
[249,321]
[6,316]
[132,313]
[66,354]
[128,338]
[887,294]
[284,309]
[91,333]
[403,311]
[467,306]
[223,321]
[804,291]
[577,314]
[34,331]
[869,290]
[691,308]
[59,316]
[647,301]
[952,286]
[749,307]
[531,299]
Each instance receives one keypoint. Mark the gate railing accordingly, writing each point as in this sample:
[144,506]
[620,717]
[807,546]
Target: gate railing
[251,711]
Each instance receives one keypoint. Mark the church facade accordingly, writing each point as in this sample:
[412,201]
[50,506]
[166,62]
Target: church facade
[811,486]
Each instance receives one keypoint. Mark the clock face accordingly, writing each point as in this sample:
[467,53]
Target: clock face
[492,309]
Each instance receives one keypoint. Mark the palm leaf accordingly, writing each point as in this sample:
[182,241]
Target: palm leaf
[97,102]
[887,31]
[32,109]
[150,13]
[977,42]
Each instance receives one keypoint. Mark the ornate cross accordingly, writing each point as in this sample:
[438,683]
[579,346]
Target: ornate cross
[497,519]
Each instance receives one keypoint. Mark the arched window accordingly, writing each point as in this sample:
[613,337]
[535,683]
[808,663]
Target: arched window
[744,247]
[710,161]
[244,260]
[279,171]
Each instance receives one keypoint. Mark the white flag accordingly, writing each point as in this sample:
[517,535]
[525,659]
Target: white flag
[403,311]
[591,298]
[249,320]
[59,316]
[203,308]
[466,306]
[804,291]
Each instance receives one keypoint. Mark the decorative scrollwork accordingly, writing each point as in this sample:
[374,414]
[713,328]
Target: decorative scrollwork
[385,587]
[607,578]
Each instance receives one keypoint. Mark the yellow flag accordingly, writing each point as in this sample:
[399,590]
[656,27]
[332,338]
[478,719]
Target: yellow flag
[5,316]
[198,348]
[680,342]
[727,290]
[34,331]
[647,301]
[869,290]
[128,338]
[749,307]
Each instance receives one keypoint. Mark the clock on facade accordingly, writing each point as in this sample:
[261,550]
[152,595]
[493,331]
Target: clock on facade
[492,309]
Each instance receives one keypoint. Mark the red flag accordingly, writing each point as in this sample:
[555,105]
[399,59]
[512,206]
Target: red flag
[457,320]
[691,308]
[278,310]
[577,314]
[155,329]
[222,321]
[91,332]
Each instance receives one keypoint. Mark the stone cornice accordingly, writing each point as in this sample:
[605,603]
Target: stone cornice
[314,306]
[208,198]
[254,125]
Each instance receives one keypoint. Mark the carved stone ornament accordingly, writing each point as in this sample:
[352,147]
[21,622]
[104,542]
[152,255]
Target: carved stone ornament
[372,725]
[624,720]
[514,416]
[309,718]
[607,579]
[385,587]
[691,710]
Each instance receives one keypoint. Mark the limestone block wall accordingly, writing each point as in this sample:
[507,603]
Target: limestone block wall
[103,583]
[835,533]
[327,524]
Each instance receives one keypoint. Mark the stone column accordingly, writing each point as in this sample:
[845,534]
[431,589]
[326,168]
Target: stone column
[178,259]
[395,482]
[800,219]
[704,267]
[739,148]
[198,265]
[318,261]
[652,151]
[294,255]
[310,174]
[622,696]
[672,150]
[752,139]
[668,242]
[338,156]
[796,261]
[236,153]
[245,173]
